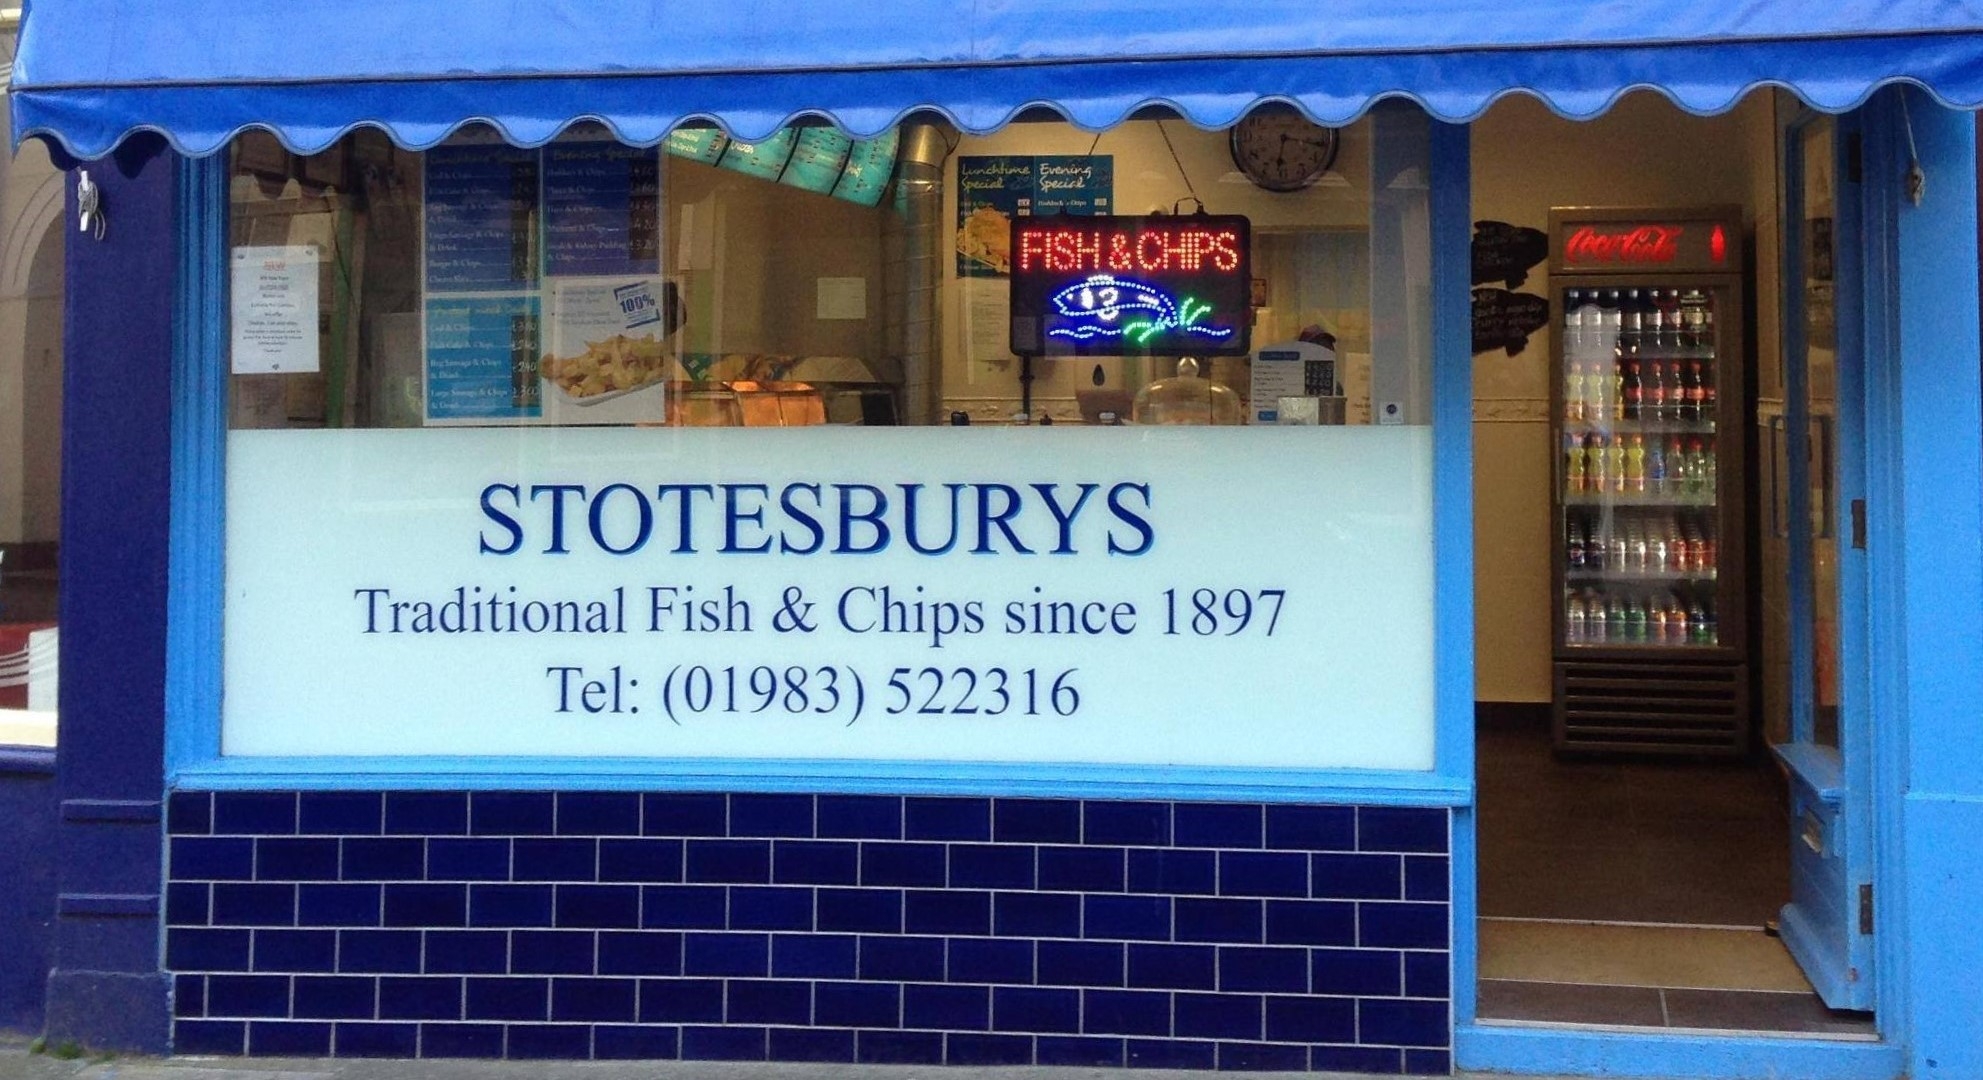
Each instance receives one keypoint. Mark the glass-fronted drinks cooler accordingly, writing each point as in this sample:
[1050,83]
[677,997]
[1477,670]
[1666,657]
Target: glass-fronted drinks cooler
[1649,371]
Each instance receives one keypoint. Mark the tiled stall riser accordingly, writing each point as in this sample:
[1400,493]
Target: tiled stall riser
[810,928]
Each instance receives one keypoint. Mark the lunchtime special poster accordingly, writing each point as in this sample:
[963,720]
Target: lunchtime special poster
[993,190]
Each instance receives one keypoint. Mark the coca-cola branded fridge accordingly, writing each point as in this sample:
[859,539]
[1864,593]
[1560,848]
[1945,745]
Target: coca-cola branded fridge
[1651,653]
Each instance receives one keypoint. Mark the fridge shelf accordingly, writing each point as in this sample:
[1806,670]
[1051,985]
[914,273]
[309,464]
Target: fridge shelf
[1633,499]
[1639,427]
[1638,577]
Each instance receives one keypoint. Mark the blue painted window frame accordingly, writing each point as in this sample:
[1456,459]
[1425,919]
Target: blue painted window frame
[194,640]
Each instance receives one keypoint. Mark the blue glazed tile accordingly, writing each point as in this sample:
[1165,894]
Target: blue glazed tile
[899,1048]
[280,1038]
[467,952]
[226,1038]
[992,866]
[1036,821]
[1311,922]
[295,950]
[1248,969]
[1427,878]
[902,959]
[376,1040]
[1261,1057]
[1217,1016]
[1170,1054]
[551,952]
[684,907]
[1263,873]
[770,908]
[1173,967]
[903,864]
[1126,918]
[946,819]
[338,905]
[189,996]
[461,1040]
[640,860]
[642,952]
[1401,828]
[960,1048]
[1036,915]
[237,904]
[1217,825]
[456,859]
[1218,920]
[855,1004]
[768,1001]
[374,952]
[512,813]
[723,1044]
[193,949]
[771,815]
[188,903]
[598,813]
[738,862]
[420,997]
[594,1001]
[860,817]
[560,859]
[1384,926]
[1077,1050]
[426,813]
[189,813]
[1428,974]
[1080,963]
[340,813]
[385,859]
[1311,1019]
[1311,828]
[1082,869]
[1394,1022]
[814,956]
[946,911]
[426,905]
[949,1008]
[1025,1008]
[509,999]
[549,1042]
[1428,1062]
[869,911]
[977,960]
[643,1042]
[1358,877]
[249,996]
[726,954]
[596,907]
[1357,972]
[1362,1059]
[254,813]
[815,862]
[510,905]
[213,858]
[811,1044]
[1126,1012]
[289,858]
[335,997]
[1146,824]
[1174,873]
[685,815]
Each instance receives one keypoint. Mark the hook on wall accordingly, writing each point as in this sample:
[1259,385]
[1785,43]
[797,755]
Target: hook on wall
[89,206]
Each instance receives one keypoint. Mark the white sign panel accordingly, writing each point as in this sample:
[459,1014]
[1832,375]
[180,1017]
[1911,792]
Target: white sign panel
[275,310]
[1205,597]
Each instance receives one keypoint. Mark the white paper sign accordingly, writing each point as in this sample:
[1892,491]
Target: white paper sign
[608,363]
[275,310]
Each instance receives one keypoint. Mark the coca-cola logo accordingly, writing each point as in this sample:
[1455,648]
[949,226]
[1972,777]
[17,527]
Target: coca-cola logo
[1643,244]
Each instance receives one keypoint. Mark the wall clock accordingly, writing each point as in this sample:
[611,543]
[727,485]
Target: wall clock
[1283,151]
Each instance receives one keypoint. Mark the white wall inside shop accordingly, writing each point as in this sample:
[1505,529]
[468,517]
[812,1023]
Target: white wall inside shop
[30,347]
[1643,152]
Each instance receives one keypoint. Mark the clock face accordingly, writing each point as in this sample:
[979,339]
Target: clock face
[1282,151]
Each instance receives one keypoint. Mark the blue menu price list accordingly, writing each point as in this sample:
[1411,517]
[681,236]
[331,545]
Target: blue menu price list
[482,358]
[602,210]
[481,219]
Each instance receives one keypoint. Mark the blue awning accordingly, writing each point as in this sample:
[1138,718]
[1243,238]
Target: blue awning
[90,72]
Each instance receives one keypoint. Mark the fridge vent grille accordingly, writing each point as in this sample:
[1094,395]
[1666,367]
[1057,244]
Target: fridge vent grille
[1670,708]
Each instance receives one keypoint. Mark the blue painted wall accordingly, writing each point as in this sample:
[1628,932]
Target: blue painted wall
[27,884]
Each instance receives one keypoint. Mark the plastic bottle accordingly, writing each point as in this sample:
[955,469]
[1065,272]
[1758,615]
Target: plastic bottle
[1656,623]
[1653,396]
[1635,621]
[1594,626]
[1573,394]
[1635,464]
[1575,620]
[1573,541]
[1676,623]
[1656,468]
[1575,478]
[1614,464]
[1708,469]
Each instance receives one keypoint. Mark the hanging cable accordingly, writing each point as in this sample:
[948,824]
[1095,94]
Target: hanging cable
[1179,162]
[1917,180]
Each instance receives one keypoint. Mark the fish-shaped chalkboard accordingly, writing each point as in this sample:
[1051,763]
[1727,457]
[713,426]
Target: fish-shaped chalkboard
[1505,253]
[1504,320]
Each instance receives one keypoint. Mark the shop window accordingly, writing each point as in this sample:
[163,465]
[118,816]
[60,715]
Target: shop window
[567,451]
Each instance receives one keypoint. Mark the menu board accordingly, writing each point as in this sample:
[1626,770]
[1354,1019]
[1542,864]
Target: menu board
[870,165]
[991,191]
[602,209]
[482,358]
[817,158]
[481,219]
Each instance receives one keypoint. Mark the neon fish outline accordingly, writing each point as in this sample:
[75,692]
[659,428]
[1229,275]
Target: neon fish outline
[1105,299]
